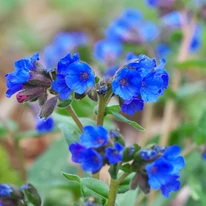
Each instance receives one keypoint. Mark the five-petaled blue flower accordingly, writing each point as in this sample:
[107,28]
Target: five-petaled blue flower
[73,75]
[127,84]
[15,80]
[5,190]
[163,173]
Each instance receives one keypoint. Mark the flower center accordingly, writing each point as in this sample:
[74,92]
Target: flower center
[154,170]
[84,75]
[123,82]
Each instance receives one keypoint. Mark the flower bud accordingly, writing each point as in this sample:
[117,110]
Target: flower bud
[48,107]
[40,79]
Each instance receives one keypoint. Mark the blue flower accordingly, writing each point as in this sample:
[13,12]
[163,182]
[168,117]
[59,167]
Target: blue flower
[204,156]
[80,77]
[60,86]
[127,84]
[76,149]
[148,154]
[94,137]
[5,190]
[154,83]
[114,155]
[91,160]
[162,50]
[196,39]
[172,19]
[15,80]
[107,51]
[152,3]
[133,105]
[63,44]
[110,72]
[163,173]
[43,125]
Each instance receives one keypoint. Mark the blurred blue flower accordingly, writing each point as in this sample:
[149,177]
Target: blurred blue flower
[162,50]
[107,51]
[76,149]
[110,72]
[127,84]
[132,28]
[172,19]
[133,105]
[204,156]
[148,154]
[43,126]
[163,173]
[5,190]
[15,80]
[196,42]
[114,155]
[94,137]
[63,43]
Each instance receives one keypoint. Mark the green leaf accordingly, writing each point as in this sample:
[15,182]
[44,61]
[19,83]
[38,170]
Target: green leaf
[72,177]
[130,152]
[112,108]
[96,186]
[126,168]
[121,118]
[33,195]
[200,132]
[64,104]
[192,64]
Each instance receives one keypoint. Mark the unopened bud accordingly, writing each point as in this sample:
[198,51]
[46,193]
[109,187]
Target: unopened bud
[40,79]
[48,107]
[92,94]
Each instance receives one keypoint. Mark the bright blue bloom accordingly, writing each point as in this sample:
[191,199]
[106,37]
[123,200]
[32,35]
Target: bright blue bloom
[162,50]
[15,80]
[73,75]
[107,51]
[76,149]
[66,61]
[110,72]
[5,190]
[60,86]
[172,19]
[133,105]
[127,84]
[152,3]
[154,83]
[43,125]
[196,42]
[114,155]
[80,77]
[91,160]
[163,173]
[63,44]
[94,137]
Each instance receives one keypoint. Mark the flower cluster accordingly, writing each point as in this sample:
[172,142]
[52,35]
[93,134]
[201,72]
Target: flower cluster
[163,172]
[62,44]
[29,80]
[141,80]
[95,149]
[5,190]
[73,75]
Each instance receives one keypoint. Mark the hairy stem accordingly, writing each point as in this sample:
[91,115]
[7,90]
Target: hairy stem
[112,193]
[75,117]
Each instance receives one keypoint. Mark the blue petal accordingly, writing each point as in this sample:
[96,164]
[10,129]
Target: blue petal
[76,149]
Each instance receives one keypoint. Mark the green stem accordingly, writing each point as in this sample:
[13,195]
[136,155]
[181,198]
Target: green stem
[112,193]
[75,117]
[121,178]
[20,160]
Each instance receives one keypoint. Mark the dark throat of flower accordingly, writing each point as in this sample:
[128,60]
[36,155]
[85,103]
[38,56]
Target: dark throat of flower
[123,82]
